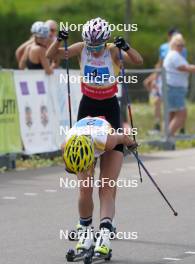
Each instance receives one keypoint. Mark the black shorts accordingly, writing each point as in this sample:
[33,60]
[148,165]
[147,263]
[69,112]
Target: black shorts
[109,108]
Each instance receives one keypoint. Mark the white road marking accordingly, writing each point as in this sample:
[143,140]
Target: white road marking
[9,197]
[50,191]
[190,252]
[30,194]
[180,169]
[166,171]
[173,259]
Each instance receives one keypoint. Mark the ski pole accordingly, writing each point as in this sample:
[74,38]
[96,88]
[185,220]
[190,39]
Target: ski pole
[151,178]
[68,84]
[128,105]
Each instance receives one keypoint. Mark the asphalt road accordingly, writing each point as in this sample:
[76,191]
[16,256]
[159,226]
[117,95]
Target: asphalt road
[34,209]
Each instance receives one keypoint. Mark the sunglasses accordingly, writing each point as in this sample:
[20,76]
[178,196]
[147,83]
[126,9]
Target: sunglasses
[95,48]
[53,29]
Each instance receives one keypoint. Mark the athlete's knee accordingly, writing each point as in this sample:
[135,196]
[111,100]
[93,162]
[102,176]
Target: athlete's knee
[86,192]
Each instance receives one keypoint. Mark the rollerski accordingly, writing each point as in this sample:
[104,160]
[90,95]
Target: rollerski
[84,245]
[102,250]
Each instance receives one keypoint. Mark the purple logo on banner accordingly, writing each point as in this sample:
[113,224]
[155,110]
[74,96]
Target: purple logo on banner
[40,87]
[24,88]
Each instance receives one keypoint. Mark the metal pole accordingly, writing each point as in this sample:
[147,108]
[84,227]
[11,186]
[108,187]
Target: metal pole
[126,95]
[154,182]
[165,104]
[68,84]
[127,20]
[128,16]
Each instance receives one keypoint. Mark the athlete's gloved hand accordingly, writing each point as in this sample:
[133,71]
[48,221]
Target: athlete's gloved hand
[121,43]
[62,35]
[133,146]
[130,143]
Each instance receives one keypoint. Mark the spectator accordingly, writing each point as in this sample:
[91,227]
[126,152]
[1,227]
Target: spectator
[20,50]
[165,47]
[34,55]
[177,73]
[53,30]
[154,82]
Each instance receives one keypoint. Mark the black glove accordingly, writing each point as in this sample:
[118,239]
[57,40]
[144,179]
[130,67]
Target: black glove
[121,43]
[62,35]
[133,146]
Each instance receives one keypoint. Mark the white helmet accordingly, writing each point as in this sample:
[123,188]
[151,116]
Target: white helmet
[96,31]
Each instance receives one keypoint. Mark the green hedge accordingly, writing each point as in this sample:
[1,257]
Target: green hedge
[153,17]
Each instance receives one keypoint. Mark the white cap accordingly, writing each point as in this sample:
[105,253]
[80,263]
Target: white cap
[40,30]
[35,25]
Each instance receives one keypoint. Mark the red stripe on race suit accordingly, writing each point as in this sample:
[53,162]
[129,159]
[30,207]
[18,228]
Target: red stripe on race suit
[99,93]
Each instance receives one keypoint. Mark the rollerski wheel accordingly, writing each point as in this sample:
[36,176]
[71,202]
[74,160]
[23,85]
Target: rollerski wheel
[73,256]
[88,259]
[108,258]
[70,255]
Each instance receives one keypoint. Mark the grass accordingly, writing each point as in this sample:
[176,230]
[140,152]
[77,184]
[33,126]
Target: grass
[144,119]
[184,144]
[37,162]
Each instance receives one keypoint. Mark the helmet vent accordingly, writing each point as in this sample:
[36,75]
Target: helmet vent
[81,153]
[86,150]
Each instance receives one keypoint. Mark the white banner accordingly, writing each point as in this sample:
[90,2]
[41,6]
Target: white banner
[35,111]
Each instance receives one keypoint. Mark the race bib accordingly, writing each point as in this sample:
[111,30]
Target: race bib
[96,75]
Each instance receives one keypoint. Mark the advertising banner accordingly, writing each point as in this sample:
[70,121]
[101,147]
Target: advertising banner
[35,111]
[9,120]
